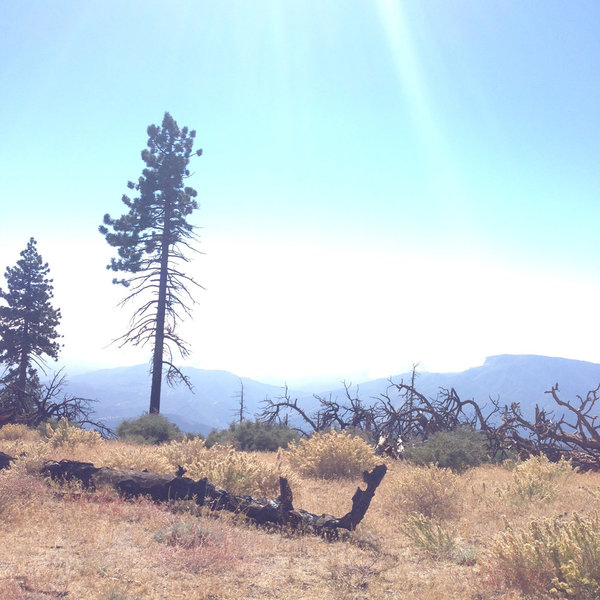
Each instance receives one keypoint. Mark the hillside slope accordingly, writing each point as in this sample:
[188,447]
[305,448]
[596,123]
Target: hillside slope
[124,392]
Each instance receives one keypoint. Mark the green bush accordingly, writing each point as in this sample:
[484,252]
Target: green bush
[457,450]
[253,436]
[149,429]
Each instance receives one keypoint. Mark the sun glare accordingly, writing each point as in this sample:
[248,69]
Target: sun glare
[428,127]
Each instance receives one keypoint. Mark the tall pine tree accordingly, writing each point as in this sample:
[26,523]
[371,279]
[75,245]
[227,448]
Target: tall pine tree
[152,241]
[28,325]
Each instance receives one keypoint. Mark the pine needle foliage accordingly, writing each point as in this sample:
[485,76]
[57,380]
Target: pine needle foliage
[153,240]
[28,323]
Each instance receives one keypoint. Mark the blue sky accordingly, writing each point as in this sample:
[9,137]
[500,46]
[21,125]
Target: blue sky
[383,183]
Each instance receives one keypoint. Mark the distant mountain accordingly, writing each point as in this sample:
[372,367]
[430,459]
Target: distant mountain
[124,392]
[509,378]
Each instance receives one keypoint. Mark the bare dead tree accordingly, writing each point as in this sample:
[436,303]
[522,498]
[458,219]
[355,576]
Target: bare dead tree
[403,415]
[240,413]
[348,413]
[277,412]
[49,401]
[573,433]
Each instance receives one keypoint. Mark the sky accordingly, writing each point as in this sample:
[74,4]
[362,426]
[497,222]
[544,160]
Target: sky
[383,183]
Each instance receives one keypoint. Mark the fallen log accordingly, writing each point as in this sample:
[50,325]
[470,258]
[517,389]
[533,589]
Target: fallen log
[5,460]
[164,488]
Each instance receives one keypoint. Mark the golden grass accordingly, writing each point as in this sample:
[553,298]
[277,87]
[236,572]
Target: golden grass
[68,543]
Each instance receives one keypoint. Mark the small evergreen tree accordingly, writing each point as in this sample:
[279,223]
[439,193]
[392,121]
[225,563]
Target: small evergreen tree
[152,239]
[28,325]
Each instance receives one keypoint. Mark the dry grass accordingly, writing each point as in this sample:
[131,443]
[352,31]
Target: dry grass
[65,543]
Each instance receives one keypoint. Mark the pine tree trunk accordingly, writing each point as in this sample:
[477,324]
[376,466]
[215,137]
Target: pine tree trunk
[159,336]
[22,375]
[24,359]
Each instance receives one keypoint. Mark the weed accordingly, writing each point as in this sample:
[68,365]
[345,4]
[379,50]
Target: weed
[331,455]
[556,556]
[537,479]
[437,541]
[195,546]
[13,431]
[240,473]
[183,534]
[67,434]
[20,495]
[431,491]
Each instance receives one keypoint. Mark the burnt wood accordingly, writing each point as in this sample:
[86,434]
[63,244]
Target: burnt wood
[5,460]
[164,488]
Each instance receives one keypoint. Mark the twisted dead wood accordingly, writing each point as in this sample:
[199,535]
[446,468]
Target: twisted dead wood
[163,488]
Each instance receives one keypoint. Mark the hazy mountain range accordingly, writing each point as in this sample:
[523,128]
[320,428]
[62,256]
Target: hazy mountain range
[124,392]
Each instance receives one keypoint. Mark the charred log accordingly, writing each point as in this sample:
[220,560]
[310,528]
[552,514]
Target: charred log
[163,488]
[5,460]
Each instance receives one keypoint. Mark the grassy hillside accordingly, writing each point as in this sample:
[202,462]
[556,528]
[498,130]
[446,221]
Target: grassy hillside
[429,534]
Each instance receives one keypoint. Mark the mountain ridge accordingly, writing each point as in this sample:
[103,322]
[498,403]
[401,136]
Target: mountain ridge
[123,392]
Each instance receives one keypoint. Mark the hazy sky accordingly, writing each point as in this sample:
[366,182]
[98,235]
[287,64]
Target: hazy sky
[383,183]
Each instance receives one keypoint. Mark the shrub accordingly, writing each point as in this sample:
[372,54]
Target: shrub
[458,449]
[433,492]
[184,452]
[330,455]
[537,479]
[236,472]
[66,433]
[138,458]
[149,429]
[556,556]
[253,436]
[431,537]
[13,432]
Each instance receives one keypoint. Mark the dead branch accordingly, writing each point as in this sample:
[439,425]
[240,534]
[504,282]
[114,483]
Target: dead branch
[278,410]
